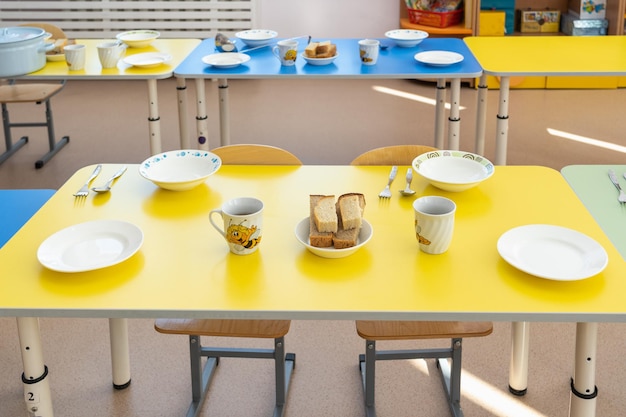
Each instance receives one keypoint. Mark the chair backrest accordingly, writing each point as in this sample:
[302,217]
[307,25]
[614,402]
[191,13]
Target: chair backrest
[392,155]
[55,31]
[255,155]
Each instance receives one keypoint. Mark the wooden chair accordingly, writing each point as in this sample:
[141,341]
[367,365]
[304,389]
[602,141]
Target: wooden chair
[257,329]
[255,154]
[391,155]
[38,93]
[372,331]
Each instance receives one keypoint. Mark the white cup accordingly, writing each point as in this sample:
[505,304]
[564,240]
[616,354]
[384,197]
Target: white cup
[243,224]
[434,223]
[286,51]
[368,51]
[75,56]
[110,53]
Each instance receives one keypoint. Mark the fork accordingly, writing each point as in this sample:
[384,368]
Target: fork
[622,196]
[386,193]
[84,190]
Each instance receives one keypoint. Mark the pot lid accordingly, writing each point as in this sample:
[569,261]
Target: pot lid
[17,34]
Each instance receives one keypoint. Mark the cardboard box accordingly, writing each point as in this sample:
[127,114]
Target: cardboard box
[572,24]
[534,21]
[492,23]
[588,9]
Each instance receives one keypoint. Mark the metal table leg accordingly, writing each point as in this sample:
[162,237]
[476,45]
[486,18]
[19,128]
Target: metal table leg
[440,113]
[224,112]
[201,116]
[502,128]
[154,121]
[183,128]
[481,114]
[518,369]
[120,353]
[36,386]
[454,120]
[583,386]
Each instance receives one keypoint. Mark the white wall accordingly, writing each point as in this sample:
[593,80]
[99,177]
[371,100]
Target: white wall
[329,18]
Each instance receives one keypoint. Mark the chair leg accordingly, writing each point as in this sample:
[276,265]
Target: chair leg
[367,365]
[11,148]
[451,377]
[200,379]
[52,143]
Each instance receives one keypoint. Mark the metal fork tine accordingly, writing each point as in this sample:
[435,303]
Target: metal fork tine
[84,190]
[386,193]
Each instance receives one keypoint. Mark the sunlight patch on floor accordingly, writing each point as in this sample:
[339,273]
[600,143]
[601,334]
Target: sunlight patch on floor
[494,400]
[409,96]
[588,141]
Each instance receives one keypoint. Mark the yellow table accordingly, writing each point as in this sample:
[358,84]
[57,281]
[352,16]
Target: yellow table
[184,268]
[177,48]
[508,56]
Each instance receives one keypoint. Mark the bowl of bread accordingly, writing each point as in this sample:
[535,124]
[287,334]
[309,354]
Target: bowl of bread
[336,227]
[406,38]
[57,53]
[256,37]
[453,170]
[320,53]
[180,170]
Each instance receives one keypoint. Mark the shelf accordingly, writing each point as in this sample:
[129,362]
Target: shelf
[455,30]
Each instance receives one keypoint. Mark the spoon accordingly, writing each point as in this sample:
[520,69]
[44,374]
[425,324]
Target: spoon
[107,187]
[409,177]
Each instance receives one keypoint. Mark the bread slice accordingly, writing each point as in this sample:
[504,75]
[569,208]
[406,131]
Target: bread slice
[348,237]
[311,49]
[350,208]
[325,214]
[317,238]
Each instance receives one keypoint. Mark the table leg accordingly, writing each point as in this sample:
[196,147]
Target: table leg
[36,388]
[502,128]
[224,112]
[183,128]
[154,121]
[440,113]
[201,116]
[584,390]
[518,368]
[454,120]
[481,114]
[120,353]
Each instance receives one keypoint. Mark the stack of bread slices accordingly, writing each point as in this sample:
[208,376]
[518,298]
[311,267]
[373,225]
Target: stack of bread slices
[324,49]
[336,223]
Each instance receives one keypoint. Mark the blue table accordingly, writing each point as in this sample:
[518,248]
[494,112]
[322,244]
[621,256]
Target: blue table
[16,207]
[393,62]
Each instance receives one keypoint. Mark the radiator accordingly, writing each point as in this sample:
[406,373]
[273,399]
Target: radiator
[106,18]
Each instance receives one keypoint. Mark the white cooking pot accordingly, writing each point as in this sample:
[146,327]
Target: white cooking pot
[22,50]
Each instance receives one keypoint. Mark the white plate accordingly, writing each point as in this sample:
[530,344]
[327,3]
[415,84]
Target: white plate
[147,60]
[89,246]
[302,234]
[438,58]
[552,252]
[226,59]
[319,61]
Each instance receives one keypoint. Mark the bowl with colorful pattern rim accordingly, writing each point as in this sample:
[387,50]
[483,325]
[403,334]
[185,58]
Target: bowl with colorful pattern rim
[180,170]
[138,38]
[453,170]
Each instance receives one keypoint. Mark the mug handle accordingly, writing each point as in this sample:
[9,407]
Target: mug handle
[275,52]
[219,229]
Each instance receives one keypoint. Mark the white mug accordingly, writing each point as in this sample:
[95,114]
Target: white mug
[286,51]
[434,223]
[110,53]
[75,56]
[368,51]
[242,224]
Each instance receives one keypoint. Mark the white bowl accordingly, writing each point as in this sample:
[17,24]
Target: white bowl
[138,38]
[319,61]
[256,37]
[302,234]
[406,38]
[453,170]
[180,170]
